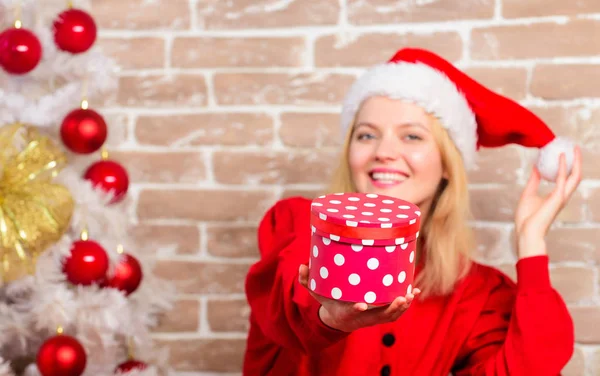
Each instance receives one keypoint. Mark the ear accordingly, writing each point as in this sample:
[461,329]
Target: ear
[445,174]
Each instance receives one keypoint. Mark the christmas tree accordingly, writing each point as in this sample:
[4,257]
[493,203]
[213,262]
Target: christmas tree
[77,296]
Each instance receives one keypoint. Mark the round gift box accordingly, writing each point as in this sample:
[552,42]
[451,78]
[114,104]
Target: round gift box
[362,247]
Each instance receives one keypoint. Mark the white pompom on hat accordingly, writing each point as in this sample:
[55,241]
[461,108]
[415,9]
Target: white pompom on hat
[473,115]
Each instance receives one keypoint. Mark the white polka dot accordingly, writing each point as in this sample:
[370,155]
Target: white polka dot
[326,241]
[412,256]
[372,195]
[324,272]
[387,280]
[353,199]
[351,208]
[335,238]
[417,234]
[373,263]
[386,225]
[402,277]
[404,246]
[314,229]
[399,241]
[316,204]
[313,284]
[409,289]
[339,259]
[390,248]
[384,219]
[404,207]
[386,210]
[348,216]
[332,210]
[322,196]
[388,201]
[402,216]
[315,251]
[412,222]
[335,202]
[357,247]
[370,297]
[368,241]
[370,205]
[354,279]
[323,216]
[351,223]
[336,293]
[366,213]
[418,213]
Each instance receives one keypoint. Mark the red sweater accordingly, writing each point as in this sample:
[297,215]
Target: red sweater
[488,326]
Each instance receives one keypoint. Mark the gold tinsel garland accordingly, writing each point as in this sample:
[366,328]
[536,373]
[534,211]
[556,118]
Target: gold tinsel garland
[34,211]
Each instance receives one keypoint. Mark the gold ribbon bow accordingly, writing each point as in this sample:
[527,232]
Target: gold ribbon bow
[34,212]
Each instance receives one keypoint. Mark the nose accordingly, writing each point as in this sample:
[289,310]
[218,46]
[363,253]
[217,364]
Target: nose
[388,149]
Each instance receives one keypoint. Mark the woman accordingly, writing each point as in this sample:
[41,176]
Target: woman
[412,128]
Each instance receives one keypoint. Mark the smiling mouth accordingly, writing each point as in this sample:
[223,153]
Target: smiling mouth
[386,178]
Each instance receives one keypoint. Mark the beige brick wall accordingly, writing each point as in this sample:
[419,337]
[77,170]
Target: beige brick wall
[222,103]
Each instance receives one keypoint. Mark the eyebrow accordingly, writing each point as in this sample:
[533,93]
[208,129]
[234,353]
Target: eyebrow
[407,124]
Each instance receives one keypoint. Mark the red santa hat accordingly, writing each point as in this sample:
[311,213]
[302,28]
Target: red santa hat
[473,115]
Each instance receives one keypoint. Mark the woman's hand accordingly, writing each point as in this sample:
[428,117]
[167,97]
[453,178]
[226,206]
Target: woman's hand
[347,317]
[535,214]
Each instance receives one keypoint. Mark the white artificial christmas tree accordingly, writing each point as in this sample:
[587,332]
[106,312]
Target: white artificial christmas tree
[51,209]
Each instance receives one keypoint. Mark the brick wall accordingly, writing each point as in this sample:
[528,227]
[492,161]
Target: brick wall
[222,103]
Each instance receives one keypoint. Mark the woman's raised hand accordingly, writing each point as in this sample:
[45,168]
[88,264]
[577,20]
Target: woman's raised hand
[535,214]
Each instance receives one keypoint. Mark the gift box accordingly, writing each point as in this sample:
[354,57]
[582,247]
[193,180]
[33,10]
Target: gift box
[362,247]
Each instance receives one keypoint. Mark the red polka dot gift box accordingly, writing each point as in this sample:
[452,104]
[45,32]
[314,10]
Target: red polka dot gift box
[362,247]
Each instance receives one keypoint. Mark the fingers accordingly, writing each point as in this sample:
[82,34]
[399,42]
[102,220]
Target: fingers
[303,275]
[361,307]
[399,306]
[532,184]
[562,170]
[575,177]
[396,306]
[409,299]
[303,279]
[559,191]
[556,200]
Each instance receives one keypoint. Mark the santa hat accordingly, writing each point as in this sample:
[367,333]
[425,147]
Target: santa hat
[473,115]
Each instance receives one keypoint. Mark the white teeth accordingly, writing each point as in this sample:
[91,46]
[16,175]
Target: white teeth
[388,176]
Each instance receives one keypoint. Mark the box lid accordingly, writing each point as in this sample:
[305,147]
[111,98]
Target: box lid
[365,216]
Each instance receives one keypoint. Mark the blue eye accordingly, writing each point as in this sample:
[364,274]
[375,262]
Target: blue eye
[364,136]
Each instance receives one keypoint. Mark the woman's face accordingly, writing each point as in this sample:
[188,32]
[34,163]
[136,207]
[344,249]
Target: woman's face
[393,152]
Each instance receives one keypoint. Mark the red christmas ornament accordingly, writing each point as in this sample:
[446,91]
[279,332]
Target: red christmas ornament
[61,355]
[87,264]
[128,275]
[131,365]
[83,131]
[110,176]
[20,51]
[74,31]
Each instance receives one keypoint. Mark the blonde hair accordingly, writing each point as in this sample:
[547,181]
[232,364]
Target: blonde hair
[446,241]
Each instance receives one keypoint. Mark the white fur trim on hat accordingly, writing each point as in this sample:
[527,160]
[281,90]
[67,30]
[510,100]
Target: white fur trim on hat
[549,157]
[424,86]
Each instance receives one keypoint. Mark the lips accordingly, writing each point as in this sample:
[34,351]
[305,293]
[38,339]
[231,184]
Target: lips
[386,177]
